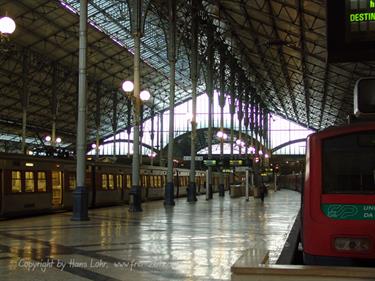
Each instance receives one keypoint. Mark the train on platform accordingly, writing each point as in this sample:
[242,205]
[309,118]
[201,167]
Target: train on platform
[30,184]
[338,198]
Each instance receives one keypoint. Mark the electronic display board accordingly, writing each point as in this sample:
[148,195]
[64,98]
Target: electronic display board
[350,30]
[360,20]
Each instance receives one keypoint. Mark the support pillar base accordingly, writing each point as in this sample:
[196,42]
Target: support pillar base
[80,204]
[210,193]
[191,192]
[169,195]
[135,199]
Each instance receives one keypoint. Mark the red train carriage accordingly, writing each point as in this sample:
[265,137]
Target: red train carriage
[339,196]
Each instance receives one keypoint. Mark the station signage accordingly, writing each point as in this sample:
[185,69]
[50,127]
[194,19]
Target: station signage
[209,162]
[350,30]
[236,162]
[360,20]
[227,171]
[197,158]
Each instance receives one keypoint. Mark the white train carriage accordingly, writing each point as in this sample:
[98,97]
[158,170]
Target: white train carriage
[181,179]
[200,180]
[153,181]
[31,184]
[112,183]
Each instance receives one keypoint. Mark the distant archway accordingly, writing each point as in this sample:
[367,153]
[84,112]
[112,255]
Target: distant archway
[286,144]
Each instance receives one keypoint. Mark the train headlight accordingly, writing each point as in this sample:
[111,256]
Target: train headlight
[352,244]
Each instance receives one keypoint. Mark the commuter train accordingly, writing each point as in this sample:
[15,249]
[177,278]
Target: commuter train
[30,184]
[338,198]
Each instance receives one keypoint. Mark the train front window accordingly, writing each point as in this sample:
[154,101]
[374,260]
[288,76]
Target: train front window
[16,182]
[349,164]
[29,182]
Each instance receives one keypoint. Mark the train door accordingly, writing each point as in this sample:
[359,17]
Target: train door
[57,185]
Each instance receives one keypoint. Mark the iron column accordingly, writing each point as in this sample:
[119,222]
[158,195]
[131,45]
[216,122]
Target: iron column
[80,195]
[192,197]
[169,189]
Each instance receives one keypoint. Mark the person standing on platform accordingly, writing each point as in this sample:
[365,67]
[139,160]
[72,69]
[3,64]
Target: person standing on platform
[262,191]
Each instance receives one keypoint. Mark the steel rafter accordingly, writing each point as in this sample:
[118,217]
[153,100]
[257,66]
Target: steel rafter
[283,63]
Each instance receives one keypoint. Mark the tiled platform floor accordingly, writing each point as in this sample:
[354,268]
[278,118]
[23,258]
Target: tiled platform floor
[188,242]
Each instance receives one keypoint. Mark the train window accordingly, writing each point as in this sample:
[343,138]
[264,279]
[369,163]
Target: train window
[56,179]
[16,181]
[72,181]
[29,182]
[348,166]
[104,182]
[111,183]
[42,183]
[364,99]
[119,181]
[144,181]
[128,181]
[152,181]
[159,181]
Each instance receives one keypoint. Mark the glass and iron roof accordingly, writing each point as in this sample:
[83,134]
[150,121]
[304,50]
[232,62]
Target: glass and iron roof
[276,47]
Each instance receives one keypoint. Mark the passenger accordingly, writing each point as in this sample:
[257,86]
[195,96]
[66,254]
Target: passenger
[262,191]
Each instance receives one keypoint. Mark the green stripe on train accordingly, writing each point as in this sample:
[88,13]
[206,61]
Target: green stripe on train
[349,211]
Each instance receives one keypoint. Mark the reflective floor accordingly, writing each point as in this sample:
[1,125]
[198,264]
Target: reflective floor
[188,242]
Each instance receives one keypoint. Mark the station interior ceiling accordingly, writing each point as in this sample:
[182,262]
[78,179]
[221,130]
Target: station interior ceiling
[276,47]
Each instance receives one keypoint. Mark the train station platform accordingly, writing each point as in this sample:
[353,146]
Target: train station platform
[199,241]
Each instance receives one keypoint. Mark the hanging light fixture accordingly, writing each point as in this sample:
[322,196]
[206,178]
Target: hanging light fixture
[7,25]
[145,95]
[127,86]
